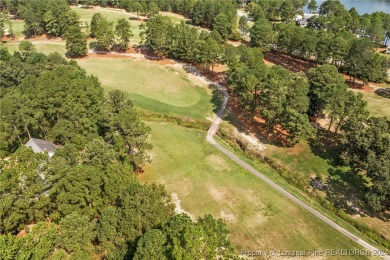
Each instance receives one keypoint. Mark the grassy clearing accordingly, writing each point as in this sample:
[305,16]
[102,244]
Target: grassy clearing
[17,27]
[304,161]
[44,48]
[208,182]
[112,16]
[159,88]
[377,105]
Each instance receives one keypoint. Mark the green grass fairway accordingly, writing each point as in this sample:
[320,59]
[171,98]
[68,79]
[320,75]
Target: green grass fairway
[377,105]
[45,48]
[208,182]
[301,160]
[151,86]
[112,16]
[17,27]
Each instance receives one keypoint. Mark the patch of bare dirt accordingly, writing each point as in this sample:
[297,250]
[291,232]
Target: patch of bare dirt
[229,217]
[221,195]
[178,209]
[217,162]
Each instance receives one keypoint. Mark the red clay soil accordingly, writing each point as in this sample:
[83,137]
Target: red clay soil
[119,56]
[357,85]
[242,120]
[296,65]
[288,62]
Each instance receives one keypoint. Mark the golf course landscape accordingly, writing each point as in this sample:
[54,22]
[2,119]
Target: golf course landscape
[202,180]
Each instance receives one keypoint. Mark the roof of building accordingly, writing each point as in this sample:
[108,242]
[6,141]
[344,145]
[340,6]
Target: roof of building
[44,145]
[302,22]
[307,16]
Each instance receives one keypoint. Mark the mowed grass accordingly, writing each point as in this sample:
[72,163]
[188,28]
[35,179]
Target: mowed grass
[45,48]
[304,162]
[158,88]
[376,105]
[112,16]
[207,182]
[17,27]
[301,160]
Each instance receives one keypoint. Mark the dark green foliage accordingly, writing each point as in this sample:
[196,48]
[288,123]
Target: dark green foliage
[181,238]
[76,42]
[123,33]
[366,144]
[95,23]
[53,17]
[261,34]
[364,63]
[222,25]
[105,35]
[321,79]
[85,201]
[276,95]
[156,34]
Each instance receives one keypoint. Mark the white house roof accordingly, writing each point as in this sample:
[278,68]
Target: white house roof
[44,145]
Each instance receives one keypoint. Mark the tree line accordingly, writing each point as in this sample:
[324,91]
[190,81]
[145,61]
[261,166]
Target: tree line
[85,202]
[330,38]
[284,100]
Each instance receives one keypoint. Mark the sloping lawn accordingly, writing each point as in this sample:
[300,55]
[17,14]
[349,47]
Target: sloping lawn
[159,88]
[208,182]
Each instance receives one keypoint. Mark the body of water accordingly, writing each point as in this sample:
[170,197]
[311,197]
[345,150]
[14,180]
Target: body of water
[362,6]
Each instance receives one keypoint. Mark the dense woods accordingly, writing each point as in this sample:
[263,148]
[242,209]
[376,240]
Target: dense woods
[337,36]
[85,201]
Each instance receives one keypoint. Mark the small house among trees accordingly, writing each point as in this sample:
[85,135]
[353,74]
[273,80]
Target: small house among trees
[40,146]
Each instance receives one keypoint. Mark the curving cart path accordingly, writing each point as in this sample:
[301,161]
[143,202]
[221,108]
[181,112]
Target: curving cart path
[210,138]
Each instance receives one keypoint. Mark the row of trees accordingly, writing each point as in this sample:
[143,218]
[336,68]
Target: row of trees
[274,94]
[216,14]
[109,37]
[364,140]
[47,16]
[285,10]
[85,202]
[282,99]
[355,56]
[182,41]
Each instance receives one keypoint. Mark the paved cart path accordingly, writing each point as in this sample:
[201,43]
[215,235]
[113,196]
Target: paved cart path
[210,138]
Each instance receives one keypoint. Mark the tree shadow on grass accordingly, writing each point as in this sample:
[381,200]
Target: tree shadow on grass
[346,190]
[327,150]
[383,92]
[216,98]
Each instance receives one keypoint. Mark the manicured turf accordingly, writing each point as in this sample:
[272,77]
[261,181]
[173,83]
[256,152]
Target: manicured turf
[45,48]
[376,104]
[114,14]
[17,27]
[159,88]
[208,182]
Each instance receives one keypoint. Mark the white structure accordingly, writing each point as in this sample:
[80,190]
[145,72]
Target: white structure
[302,20]
[387,49]
[40,146]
